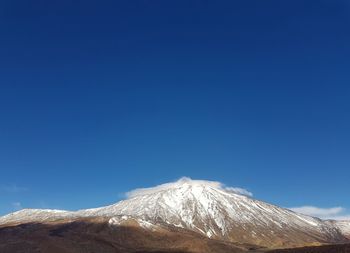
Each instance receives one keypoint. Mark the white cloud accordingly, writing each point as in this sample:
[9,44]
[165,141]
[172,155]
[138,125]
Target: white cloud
[312,210]
[240,191]
[334,213]
[183,180]
[17,206]
[13,188]
[342,217]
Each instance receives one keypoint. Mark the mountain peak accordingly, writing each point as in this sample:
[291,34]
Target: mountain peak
[186,183]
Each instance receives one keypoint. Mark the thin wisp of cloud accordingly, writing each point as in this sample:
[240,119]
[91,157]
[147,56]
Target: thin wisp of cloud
[332,213]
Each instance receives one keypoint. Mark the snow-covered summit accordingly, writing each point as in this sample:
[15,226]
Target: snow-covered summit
[187,182]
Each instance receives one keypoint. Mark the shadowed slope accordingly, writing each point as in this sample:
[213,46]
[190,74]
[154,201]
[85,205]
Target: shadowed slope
[96,236]
[340,248]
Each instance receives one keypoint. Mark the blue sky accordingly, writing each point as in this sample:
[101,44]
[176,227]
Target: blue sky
[99,98]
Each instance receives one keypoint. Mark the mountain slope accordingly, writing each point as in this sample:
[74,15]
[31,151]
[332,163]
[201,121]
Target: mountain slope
[95,235]
[344,227]
[204,207]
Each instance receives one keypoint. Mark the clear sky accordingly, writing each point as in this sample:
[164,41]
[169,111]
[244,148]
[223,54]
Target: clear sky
[100,97]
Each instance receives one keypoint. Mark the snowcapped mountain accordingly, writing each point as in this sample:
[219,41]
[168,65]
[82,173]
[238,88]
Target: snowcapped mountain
[344,227]
[203,207]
